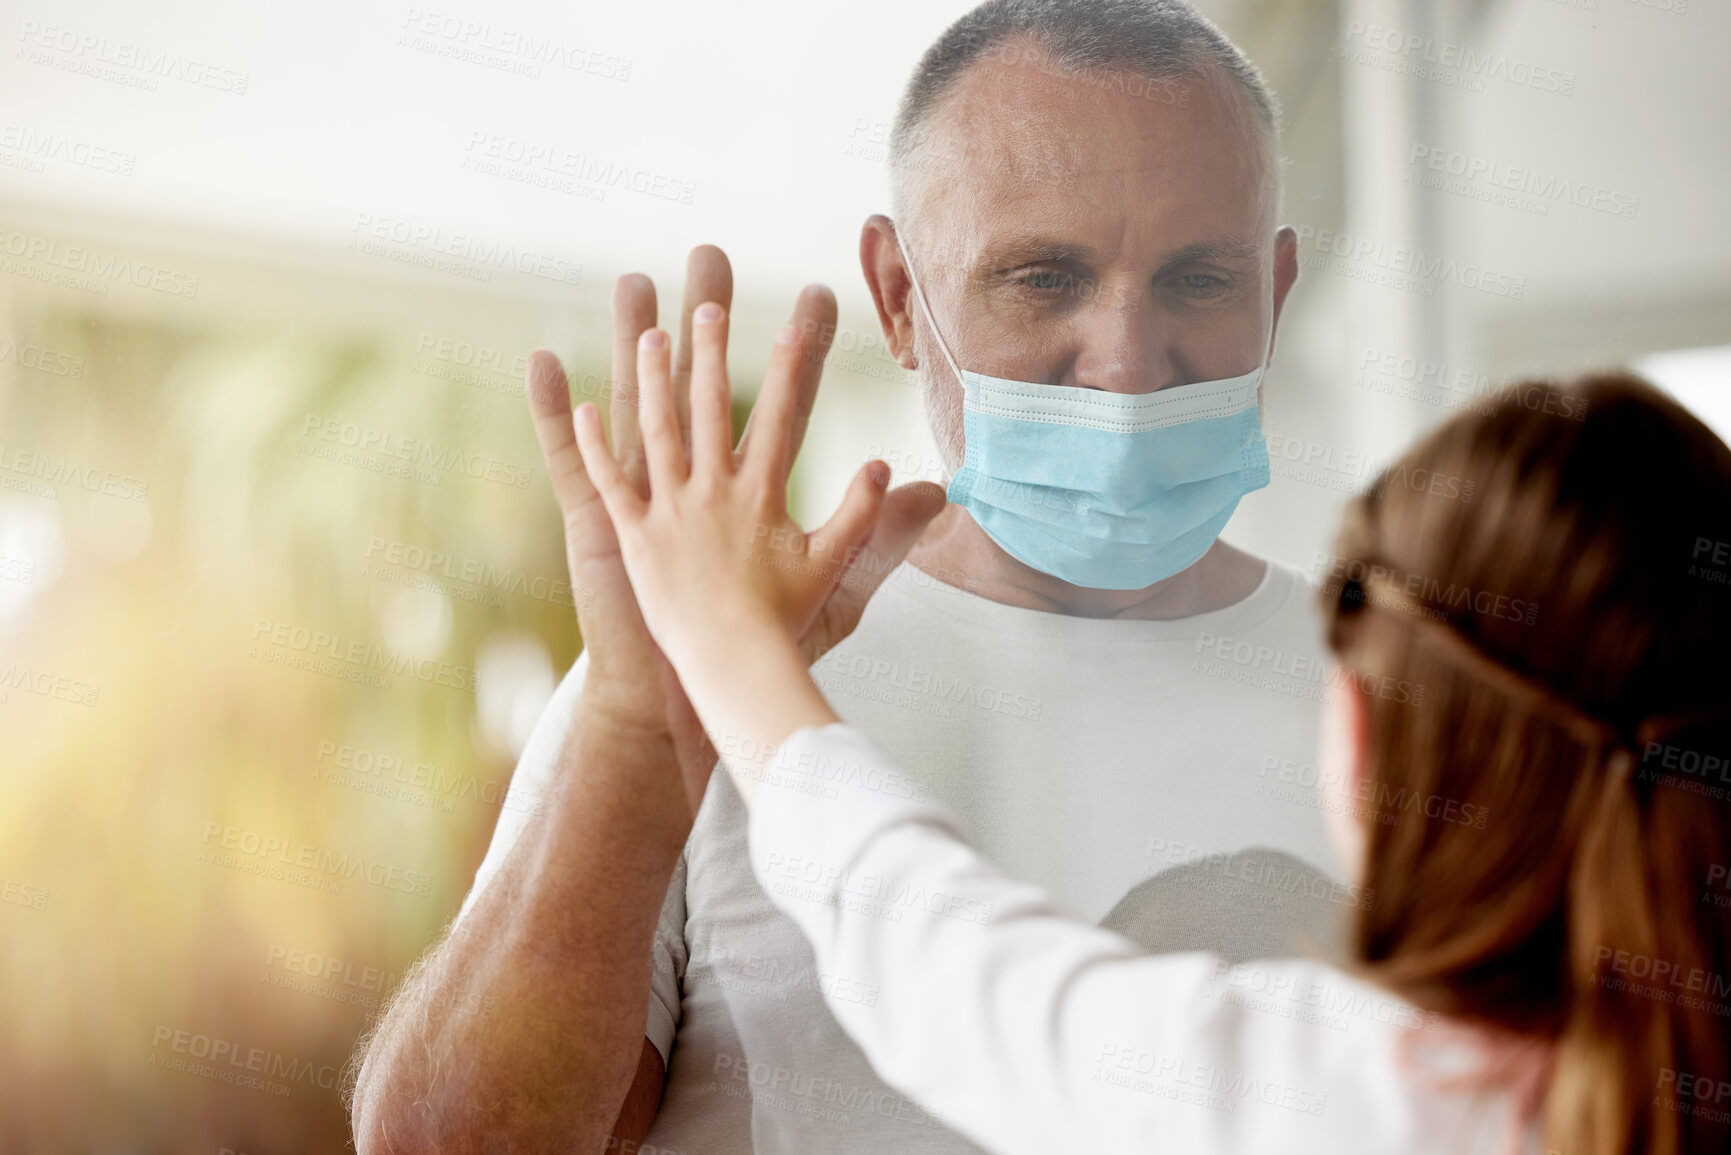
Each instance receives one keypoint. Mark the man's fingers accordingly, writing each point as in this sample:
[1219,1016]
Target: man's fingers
[617,493]
[902,518]
[814,321]
[904,515]
[633,312]
[550,406]
[708,277]
[711,402]
[851,524]
[814,316]
[768,455]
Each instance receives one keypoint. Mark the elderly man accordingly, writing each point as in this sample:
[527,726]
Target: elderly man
[1118,705]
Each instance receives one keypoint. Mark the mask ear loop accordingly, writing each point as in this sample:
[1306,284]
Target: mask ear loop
[927,310]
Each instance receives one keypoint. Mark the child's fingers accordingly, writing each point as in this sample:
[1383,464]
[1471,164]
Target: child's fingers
[663,447]
[852,523]
[711,405]
[768,446]
[617,493]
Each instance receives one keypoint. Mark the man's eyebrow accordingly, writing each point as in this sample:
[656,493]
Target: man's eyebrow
[1033,250]
[1217,249]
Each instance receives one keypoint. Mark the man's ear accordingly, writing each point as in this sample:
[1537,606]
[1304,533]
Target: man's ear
[886,275]
[1285,275]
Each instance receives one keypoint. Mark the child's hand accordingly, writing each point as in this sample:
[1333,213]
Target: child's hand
[717,564]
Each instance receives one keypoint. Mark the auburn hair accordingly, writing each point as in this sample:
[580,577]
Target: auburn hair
[1541,570]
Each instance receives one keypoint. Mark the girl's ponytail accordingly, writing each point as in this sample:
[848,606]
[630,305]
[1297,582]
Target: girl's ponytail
[1643,1062]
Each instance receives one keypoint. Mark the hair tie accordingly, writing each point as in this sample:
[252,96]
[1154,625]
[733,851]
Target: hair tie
[1537,697]
[1622,754]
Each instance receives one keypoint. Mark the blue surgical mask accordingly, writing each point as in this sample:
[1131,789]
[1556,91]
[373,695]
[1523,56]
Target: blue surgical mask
[1111,491]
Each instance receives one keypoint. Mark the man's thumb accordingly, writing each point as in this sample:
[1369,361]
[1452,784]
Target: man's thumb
[905,513]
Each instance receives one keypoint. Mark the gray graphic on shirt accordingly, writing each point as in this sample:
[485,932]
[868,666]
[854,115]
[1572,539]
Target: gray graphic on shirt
[1255,903]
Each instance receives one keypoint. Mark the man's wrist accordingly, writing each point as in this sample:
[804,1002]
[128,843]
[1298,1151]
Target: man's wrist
[631,709]
[628,767]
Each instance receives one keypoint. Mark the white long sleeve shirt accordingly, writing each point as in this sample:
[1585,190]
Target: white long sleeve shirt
[1029,1031]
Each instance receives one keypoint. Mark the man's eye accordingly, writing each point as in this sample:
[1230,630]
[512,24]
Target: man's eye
[1045,280]
[1201,283]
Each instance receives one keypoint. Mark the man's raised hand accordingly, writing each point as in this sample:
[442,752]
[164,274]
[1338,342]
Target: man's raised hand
[630,681]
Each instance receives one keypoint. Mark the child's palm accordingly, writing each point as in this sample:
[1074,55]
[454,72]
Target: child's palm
[713,549]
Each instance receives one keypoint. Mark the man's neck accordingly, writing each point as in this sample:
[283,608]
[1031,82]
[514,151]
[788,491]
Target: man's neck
[956,551]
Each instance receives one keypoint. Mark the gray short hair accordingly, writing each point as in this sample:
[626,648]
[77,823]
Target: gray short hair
[1159,40]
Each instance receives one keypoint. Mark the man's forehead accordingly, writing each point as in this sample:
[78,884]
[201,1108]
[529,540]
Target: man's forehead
[1026,149]
[1006,94]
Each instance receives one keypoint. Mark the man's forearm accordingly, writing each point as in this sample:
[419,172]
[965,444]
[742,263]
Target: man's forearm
[524,1027]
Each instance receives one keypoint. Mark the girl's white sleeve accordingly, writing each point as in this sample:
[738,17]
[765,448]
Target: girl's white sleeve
[1024,1029]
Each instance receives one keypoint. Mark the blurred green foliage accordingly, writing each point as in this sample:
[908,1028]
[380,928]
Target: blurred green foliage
[163,727]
